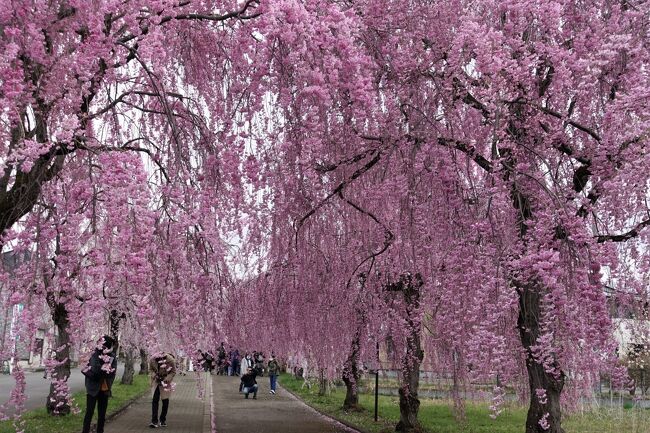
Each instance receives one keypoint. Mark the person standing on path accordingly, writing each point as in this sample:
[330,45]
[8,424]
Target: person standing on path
[249,384]
[234,363]
[162,369]
[274,372]
[246,363]
[100,373]
[221,360]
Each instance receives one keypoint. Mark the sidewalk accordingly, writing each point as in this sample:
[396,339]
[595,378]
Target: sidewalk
[187,413]
[279,413]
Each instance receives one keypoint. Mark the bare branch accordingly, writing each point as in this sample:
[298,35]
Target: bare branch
[624,237]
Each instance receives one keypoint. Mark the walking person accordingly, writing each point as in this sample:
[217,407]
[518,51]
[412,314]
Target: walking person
[100,373]
[221,359]
[249,384]
[234,363]
[162,369]
[274,372]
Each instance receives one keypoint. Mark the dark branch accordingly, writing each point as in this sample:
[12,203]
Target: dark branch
[469,150]
[624,237]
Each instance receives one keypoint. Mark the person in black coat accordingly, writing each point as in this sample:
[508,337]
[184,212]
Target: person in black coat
[100,373]
[249,384]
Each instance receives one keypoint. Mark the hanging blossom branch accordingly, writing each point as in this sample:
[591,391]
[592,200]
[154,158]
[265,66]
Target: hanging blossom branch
[388,237]
[360,171]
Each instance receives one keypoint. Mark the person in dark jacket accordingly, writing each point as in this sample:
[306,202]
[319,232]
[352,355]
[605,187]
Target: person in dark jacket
[249,384]
[274,372]
[100,373]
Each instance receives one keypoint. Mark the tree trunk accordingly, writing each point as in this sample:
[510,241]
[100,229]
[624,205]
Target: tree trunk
[409,403]
[544,413]
[323,383]
[129,370]
[114,329]
[144,362]
[351,377]
[58,399]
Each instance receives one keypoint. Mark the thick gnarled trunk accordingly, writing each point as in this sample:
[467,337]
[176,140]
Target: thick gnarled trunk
[323,382]
[129,367]
[144,362]
[57,401]
[351,377]
[409,403]
[544,412]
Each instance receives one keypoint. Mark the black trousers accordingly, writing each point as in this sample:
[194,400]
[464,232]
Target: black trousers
[154,407]
[101,399]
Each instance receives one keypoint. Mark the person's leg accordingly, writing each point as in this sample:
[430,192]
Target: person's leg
[274,381]
[102,404]
[90,409]
[154,405]
[255,391]
[163,412]
[246,391]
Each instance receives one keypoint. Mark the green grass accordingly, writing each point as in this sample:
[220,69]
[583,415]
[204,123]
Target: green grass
[437,416]
[38,421]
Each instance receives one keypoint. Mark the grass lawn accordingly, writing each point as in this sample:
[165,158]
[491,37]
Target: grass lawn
[38,421]
[437,416]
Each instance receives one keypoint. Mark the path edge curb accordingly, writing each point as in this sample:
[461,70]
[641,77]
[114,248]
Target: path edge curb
[208,405]
[121,409]
[335,418]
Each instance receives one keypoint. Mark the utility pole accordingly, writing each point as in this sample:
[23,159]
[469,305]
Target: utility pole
[377,383]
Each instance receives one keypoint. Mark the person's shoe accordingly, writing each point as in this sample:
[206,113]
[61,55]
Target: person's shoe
[272,391]
[254,397]
[163,423]
[153,425]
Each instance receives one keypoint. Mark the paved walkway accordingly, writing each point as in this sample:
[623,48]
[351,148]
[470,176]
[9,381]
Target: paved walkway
[279,413]
[187,413]
[224,410]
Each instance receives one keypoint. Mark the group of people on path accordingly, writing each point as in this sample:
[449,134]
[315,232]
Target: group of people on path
[100,374]
[231,362]
[247,367]
[102,365]
[248,382]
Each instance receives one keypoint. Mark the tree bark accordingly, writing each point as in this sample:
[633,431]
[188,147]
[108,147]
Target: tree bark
[57,401]
[323,383]
[114,328]
[351,377]
[544,412]
[409,403]
[144,362]
[129,370]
